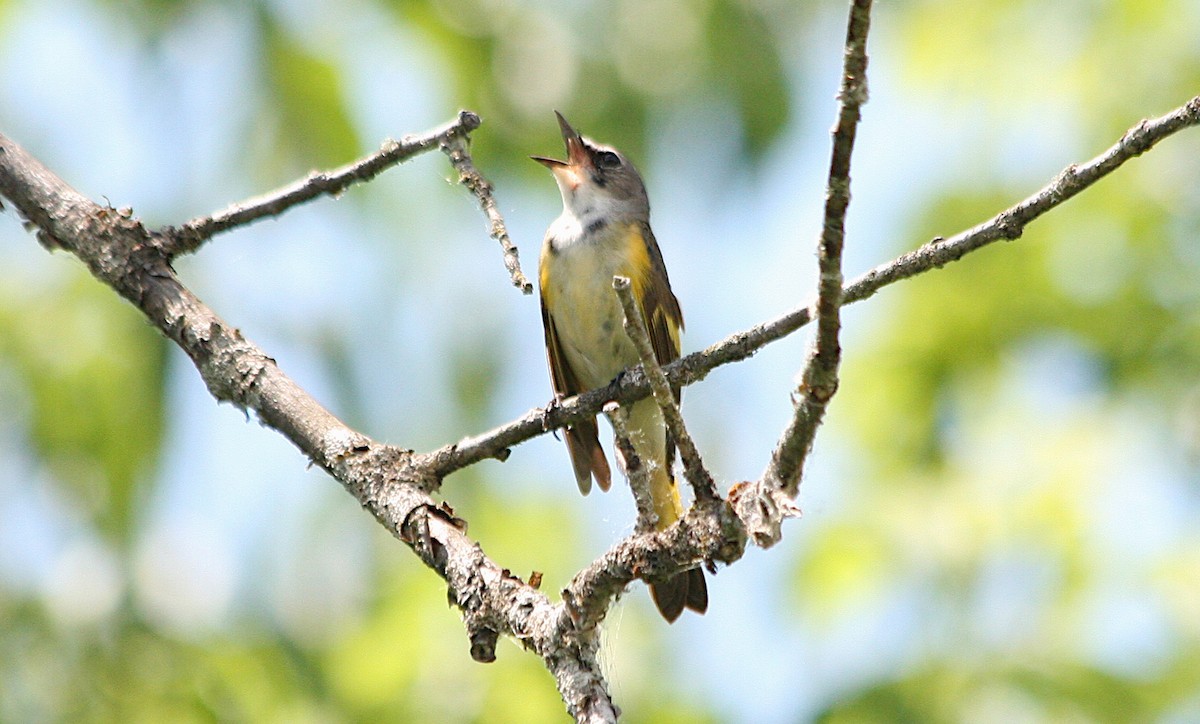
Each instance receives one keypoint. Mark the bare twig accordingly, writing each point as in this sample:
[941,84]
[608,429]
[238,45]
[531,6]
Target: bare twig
[635,327]
[1008,224]
[455,147]
[819,381]
[191,235]
[638,474]
[710,532]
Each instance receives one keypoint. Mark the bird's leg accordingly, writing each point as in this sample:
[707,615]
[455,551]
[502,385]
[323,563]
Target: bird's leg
[552,407]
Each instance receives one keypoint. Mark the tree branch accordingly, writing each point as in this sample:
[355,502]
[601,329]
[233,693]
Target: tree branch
[709,531]
[635,328]
[455,147]
[193,234]
[633,385]
[123,254]
[819,380]
[638,474]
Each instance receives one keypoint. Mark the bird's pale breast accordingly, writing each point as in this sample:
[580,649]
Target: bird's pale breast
[579,295]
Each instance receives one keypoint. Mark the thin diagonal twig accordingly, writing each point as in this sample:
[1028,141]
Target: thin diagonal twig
[637,472]
[635,327]
[455,146]
[190,236]
[819,380]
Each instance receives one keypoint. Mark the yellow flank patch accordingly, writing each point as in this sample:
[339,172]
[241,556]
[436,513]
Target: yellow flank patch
[637,260]
[544,277]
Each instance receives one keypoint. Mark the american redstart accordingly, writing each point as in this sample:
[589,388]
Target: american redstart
[604,231]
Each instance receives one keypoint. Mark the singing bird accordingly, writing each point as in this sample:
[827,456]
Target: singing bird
[604,231]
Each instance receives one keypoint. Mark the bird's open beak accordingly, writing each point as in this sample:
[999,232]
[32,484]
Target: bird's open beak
[577,157]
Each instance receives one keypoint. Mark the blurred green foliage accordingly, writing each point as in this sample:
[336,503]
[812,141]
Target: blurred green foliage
[92,377]
[942,401]
[1056,691]
[304,101]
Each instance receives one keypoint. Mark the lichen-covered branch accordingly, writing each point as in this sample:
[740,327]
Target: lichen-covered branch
[126,256]
[190,236]
[709,531]
[819,380]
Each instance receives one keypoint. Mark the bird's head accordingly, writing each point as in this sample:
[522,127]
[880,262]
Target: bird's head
[596,178]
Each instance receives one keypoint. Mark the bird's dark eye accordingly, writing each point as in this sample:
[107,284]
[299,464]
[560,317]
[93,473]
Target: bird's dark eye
[607,159]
